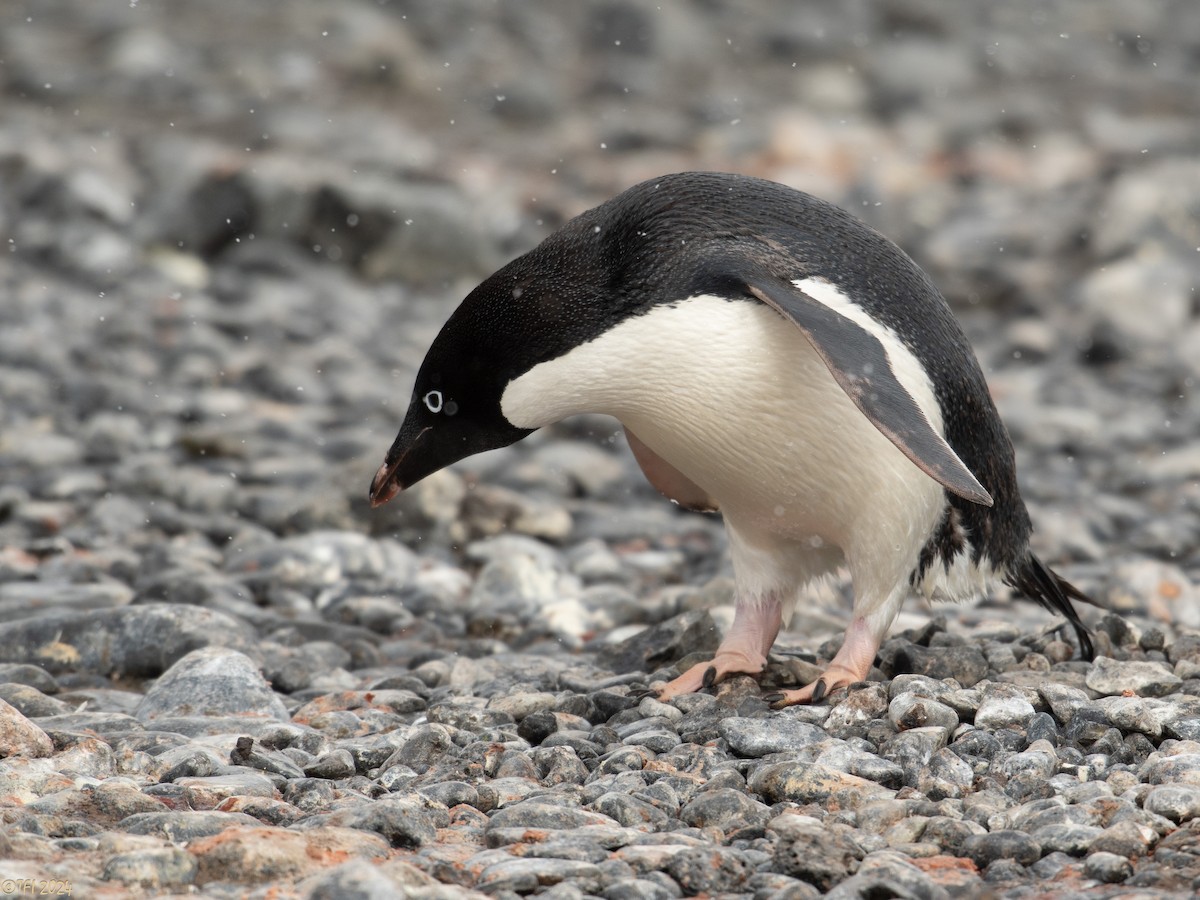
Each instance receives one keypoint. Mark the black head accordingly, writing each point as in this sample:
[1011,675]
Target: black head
[455,407]
[534,309]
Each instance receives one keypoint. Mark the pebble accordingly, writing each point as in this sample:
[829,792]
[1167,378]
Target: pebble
[250,854]
[19,736]
[1004,710]
[1108,868]
[151,869]
[212,681]
[225,676]
[1147,679]
[812,853]
[757,738]
[808,783]
[911,711]
[728,809]
[709,870]
[1178,768]
[1177,802]
[138,640]
[1002,844]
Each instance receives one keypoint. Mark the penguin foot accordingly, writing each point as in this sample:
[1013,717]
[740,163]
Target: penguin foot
[851,664]
[704,676]
[835,678]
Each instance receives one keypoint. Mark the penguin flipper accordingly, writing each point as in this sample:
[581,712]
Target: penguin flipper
[860,365]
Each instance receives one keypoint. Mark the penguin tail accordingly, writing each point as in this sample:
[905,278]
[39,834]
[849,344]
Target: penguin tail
[1035,580]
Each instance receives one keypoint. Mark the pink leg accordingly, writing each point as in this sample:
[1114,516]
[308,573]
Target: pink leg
[852,663]
[744,650]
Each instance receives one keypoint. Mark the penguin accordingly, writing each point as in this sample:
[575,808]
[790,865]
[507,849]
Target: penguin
[772,358]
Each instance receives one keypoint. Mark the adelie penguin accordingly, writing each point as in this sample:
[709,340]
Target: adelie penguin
[771,357]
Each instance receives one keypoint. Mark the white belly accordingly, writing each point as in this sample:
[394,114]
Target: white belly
[735,397]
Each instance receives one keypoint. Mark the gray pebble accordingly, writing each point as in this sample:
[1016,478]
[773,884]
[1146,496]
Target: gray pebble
[1040,761]
[424,747]
[948,776]
[333,765]
[910,710]
[1147,679]
[690,632]
[638,889]
[32,676]
[1177,802]
[630,811]
[21,737]
[534,814]
[408,822]
[727,809]
[212,681]
[1016,846]
[355,881]
[811,853]
[887,872]
[658,740]
[526,875]
[761,737]
[183,825]
[966,665]
[310,794]
[1004,711]
[709,870]
[1108,868]
[913,749]
[150,869]
[1183,768]
[208,792]
[1074,840]
[137,640]
[808,782]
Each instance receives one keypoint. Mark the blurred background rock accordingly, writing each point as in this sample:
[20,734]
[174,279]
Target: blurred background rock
[231,229]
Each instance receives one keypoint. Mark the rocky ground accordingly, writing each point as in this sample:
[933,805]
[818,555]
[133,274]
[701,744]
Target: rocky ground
[231,230]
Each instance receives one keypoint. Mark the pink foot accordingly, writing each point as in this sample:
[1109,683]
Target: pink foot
[705,675]
[744,650]
[851,664]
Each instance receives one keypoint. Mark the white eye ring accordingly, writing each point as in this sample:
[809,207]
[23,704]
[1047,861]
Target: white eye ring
[433,401]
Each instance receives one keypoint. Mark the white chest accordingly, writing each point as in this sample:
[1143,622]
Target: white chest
[733,396]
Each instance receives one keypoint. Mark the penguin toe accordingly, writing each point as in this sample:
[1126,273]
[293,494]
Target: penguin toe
[818,691]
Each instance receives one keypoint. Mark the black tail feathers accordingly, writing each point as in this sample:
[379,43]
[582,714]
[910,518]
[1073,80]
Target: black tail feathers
[1032,578]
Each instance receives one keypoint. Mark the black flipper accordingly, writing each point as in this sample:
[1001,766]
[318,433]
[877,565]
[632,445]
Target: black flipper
[1037,581]
[860,365]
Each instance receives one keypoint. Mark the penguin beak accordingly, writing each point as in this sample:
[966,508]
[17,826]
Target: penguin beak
[392,476]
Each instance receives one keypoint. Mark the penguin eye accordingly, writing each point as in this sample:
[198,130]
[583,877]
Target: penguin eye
[433,401]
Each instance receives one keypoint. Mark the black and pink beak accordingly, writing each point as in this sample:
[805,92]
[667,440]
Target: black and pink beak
[401,468]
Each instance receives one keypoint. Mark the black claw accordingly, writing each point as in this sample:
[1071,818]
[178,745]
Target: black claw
[641,694]
[819,690]
[773,698]
[710,677]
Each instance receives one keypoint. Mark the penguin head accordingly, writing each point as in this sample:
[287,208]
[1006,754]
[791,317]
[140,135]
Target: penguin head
[455,409]
[534,309]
